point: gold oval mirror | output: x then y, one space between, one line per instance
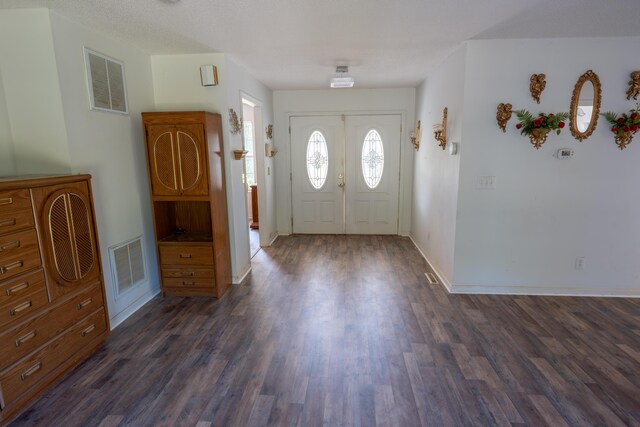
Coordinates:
585 105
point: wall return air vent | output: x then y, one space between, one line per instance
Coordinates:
127 265
107 86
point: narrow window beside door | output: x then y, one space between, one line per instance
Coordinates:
372 159
317 160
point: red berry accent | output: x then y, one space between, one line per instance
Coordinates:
518 126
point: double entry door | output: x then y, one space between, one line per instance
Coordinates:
345 173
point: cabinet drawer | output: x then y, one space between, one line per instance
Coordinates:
16 220
186 255
23 307
13 245
188 282
19 253
186 273
15 210
21 341
28 372
16 288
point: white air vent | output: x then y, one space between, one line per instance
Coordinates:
431 278
127 265
107 88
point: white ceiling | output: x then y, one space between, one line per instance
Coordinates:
296 44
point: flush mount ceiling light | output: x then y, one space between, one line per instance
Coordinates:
341 80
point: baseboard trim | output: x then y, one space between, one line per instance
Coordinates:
116 320
441 276
236 280
545 291
274 239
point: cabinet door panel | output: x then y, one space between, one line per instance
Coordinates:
192 160
162 160
66 222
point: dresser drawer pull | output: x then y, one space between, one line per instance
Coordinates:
7 201
188 283
8 222
187 273
88 330
25 338
17 264
185 255
11 245
32 370
19 308
17 288
85 303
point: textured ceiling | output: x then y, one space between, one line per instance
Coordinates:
296 44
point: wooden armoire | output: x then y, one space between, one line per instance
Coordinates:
185 161
52 300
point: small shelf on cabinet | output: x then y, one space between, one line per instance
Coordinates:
192 237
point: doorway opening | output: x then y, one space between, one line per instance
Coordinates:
252 121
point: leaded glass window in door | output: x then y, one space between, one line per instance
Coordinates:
372 159
317 160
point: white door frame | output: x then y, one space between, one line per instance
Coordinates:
403 150
258 153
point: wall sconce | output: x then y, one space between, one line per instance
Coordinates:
270 150
209 75
440 130
415 137
235 122
239 154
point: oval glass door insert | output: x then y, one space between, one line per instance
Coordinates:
372 159
317 160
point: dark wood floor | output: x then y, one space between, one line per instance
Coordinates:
335 330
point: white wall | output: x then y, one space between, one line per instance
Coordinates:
176 80
7 160
436 172
343 101
110 147
526 234
32 93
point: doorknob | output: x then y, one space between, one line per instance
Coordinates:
341 182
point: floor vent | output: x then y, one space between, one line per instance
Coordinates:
431 278
127 265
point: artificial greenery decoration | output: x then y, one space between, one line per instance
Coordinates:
538 128
624 126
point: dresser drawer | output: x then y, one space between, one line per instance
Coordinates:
186 273
18 287
29 371
186 255
188 282
19 253
14 244
23 307
19 342
15 210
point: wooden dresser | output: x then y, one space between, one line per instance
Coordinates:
52 300
188 196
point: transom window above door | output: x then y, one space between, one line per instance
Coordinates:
372 159
317 160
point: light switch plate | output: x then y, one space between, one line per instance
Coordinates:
487 182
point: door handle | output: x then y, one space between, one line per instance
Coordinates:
341 182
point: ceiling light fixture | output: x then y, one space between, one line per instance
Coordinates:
342 80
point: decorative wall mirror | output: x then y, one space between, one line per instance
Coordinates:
585 105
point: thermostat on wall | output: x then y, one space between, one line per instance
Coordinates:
564 153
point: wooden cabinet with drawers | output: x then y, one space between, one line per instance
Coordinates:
52 301
185 161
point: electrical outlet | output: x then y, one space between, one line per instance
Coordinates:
579 263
